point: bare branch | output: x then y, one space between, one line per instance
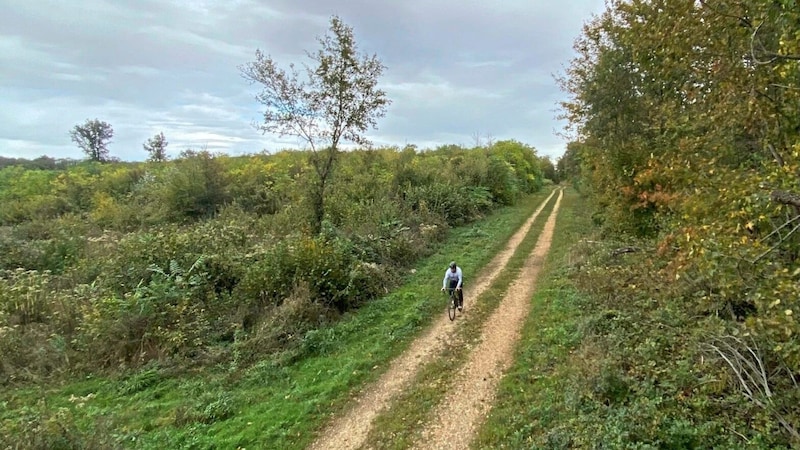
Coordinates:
753 39
783 86
782 239
751 374
623 250
775 155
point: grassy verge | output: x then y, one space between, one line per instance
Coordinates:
278 403
412 410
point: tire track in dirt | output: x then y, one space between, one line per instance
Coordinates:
476 382
350 431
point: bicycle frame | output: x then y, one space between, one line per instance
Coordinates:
452 295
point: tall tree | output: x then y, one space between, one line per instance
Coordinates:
156 147
338 101
93 138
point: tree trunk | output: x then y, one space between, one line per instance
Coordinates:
786 198
317 207
323 163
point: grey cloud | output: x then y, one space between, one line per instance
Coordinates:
454 68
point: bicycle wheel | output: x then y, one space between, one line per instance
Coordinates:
451 307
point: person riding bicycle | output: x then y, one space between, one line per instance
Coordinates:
454 280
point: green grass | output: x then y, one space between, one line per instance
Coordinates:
277 403
411 412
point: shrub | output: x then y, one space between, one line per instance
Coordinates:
37 321
140 381
25 297
28 248
208 409
502 183
29 353
108 212
194 188
166 316
40 427
281 327
259 187
458 205
324 265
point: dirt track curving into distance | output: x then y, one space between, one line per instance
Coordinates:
477 381
350 430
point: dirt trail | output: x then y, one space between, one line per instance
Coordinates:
350 431
477 380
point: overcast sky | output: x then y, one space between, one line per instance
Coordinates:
455 69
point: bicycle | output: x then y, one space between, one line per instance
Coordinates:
453 303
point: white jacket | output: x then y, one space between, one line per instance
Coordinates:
450 275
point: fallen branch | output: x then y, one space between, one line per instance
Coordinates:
785 198
782 238
747 364
623 250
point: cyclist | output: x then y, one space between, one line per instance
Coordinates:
454 280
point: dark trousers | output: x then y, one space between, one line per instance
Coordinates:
453 284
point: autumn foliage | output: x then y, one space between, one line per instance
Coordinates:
686 121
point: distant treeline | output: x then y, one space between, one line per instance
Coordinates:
40 163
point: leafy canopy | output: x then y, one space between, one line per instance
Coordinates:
93 138
156 148
338 100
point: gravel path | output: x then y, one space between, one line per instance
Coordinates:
477 381
350 431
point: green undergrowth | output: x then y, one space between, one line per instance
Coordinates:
279 402
610 358
411 412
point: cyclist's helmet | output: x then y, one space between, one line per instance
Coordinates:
452 264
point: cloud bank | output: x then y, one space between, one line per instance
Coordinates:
456 71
